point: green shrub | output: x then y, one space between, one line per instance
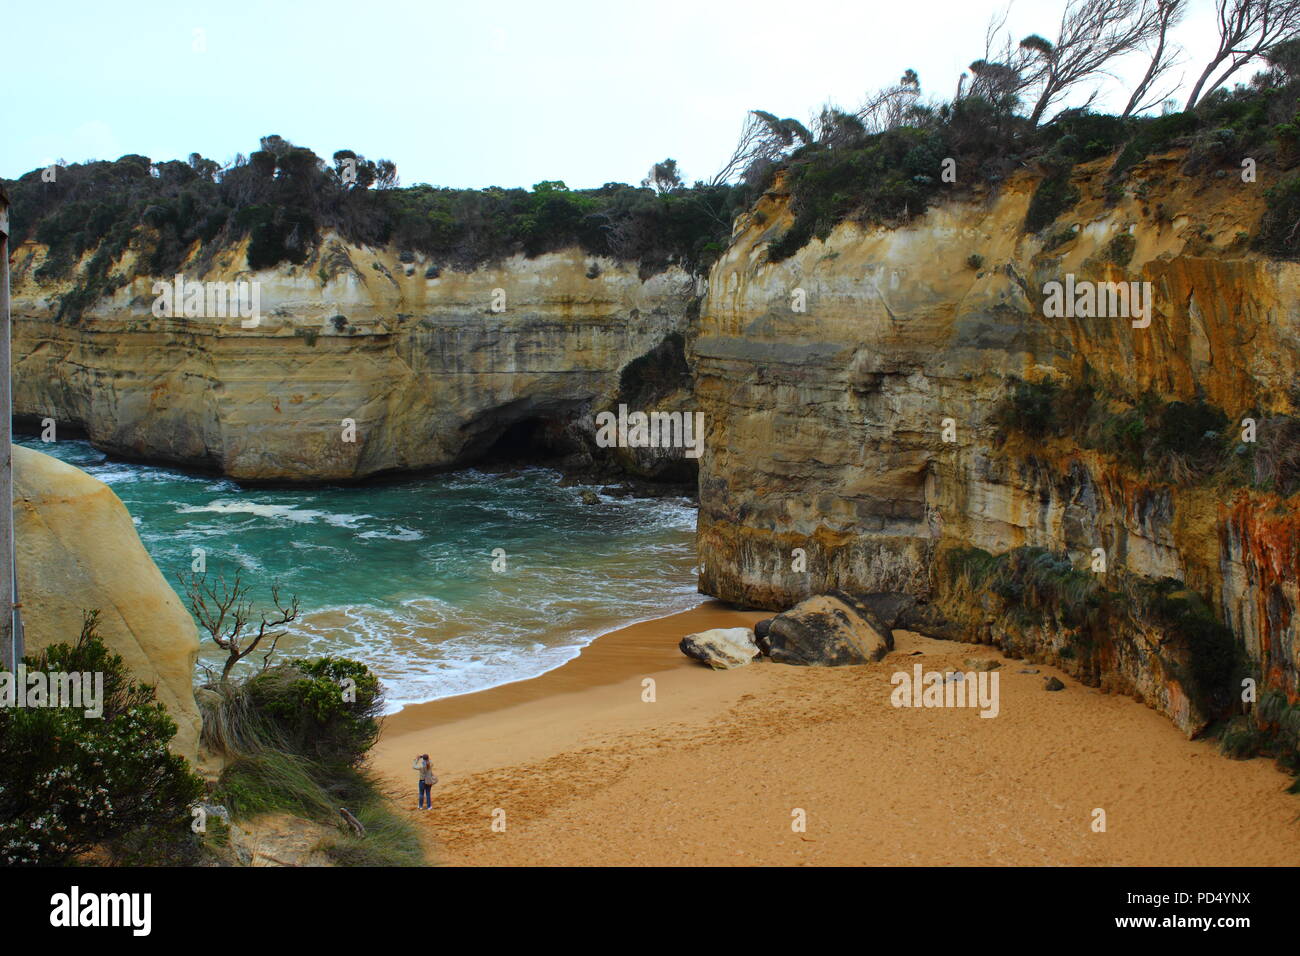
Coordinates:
1079 136
326 707
1031 408
69 783
1055 194
1120 249
1278 235
1182 442
1272 707
1035 583
974 564
1060 238
1272 729
295 737
1039 587
1044 408
1210 148
1215 659
1191 429
1275 457
1046 583
1154 136
1241 739
888 177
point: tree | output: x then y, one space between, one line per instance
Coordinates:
747 149
386 174
764 139
664 177
1247 28
225 612
1164 56
836 128
1091 35
275 144
891 107
205 168
1004 72
1283 60
355 172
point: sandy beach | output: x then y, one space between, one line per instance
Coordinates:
716 769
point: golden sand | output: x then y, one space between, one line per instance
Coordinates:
715 770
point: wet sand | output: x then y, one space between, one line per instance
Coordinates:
716 769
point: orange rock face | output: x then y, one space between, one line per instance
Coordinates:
859 431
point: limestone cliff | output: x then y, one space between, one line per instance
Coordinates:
432 366
826 425
78 551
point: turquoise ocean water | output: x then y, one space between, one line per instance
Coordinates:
400 574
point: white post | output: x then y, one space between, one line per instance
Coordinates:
11 630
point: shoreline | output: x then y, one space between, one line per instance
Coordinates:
218 498
593 635
612 659
581 770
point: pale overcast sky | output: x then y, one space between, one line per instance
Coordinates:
475 94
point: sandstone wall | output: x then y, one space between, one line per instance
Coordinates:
430 374
825 426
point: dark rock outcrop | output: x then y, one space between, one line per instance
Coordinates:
829 630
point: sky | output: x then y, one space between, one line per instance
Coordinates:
472 94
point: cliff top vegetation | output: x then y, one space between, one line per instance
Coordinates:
885 161
890 159
283 197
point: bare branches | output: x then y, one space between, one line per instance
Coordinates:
1005 71
763 139
225 612
1092 34
766 139
747 148
835 128
1247 28
1164 57
891 107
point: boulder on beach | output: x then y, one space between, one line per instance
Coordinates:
829 630
722 648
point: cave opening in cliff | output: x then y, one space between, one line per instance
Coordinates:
528 441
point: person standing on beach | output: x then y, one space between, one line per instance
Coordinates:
427 780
